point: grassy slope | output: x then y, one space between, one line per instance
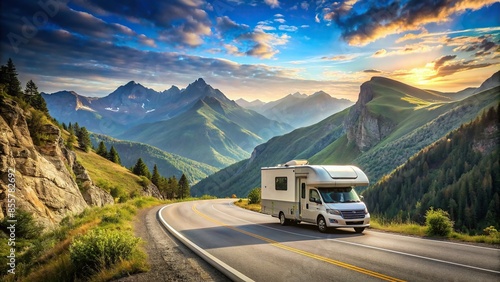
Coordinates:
168 164
107 174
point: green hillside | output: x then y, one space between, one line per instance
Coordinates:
108 175
407 120
212 132
168 164
460 173
414 129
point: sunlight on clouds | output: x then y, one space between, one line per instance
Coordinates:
407 49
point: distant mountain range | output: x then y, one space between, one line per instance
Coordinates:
213 131
389 123
298 109
198 122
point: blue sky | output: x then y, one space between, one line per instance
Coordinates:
259 49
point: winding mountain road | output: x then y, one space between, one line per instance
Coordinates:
257 248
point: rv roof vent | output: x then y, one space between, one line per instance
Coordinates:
297 162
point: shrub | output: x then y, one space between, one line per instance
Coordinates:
26 226
490 231
254 196
438 222
99 249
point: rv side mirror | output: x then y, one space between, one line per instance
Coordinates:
361 198
314 200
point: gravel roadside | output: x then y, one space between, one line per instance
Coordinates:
169 259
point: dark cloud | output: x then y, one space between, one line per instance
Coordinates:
24 19
481 46
179 22
381 18
439 62
226 26
447 65
372 71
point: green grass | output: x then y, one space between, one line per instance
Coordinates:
243 203
108 175
47 257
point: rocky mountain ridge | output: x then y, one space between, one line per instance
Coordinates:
45 176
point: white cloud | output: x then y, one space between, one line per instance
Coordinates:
272 3
288 28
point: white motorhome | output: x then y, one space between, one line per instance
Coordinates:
320 194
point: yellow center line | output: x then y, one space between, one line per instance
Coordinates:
301 252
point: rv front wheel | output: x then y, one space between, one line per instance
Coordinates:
322 224
283 220
359 229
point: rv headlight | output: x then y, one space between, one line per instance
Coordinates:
366 210
333 211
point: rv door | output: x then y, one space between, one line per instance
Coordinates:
310 205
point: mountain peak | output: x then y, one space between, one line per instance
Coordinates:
321 93
200 81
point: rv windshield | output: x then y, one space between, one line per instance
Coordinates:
339 195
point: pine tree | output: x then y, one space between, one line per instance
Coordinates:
84 139
102 150
71 139
34 98
172 187
113 156
156 177
11 81
76 128
184 187
141 169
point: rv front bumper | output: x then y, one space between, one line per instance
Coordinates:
338 221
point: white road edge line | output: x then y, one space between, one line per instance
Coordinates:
230 272
377 248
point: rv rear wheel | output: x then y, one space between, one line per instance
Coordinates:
283 220
359 229
322 224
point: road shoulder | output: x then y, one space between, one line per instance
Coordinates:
169 259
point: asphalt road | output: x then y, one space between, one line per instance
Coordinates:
262 250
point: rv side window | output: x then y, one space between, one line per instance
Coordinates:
281 183
303 192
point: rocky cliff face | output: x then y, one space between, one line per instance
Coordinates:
363 127
44 183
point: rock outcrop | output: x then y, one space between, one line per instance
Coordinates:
43 175
152 191
363 127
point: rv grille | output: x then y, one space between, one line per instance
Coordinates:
356 214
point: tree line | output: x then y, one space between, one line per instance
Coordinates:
170 187
459 174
